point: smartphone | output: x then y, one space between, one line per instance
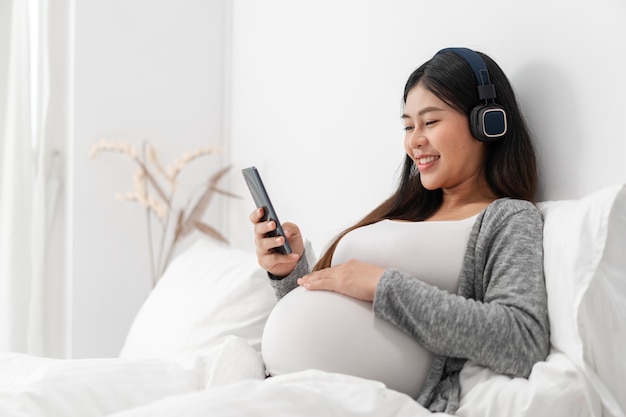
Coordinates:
261 199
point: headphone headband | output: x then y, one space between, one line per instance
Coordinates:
486 90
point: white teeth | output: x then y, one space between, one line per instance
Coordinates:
427 159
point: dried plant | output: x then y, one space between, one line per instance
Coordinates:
155 186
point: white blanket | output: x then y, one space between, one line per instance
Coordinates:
229 381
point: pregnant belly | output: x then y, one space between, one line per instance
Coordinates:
335 333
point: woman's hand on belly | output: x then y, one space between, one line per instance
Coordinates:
354 278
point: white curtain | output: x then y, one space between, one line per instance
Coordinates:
33 281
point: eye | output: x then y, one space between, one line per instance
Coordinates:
408 128
430 122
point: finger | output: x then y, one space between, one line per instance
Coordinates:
256 215
266 244
277 263
262 228
291 229
316 281
319 284
264 239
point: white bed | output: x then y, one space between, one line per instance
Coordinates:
194 347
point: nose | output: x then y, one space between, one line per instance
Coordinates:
415 139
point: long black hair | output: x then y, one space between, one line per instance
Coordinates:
510 162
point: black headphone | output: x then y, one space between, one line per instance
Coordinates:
487 120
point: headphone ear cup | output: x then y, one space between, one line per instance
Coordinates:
475 127
488 122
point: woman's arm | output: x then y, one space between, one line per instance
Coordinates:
506 326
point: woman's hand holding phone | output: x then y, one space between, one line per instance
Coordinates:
279 247
268 257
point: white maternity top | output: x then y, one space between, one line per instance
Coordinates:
335 333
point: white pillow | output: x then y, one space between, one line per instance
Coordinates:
554 388
585 270
208 292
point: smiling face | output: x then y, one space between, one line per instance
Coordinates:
439 141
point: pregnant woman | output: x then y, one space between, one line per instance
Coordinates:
448 269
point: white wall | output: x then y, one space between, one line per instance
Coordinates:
317 89
144 69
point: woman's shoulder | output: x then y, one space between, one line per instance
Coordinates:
505 208
508 217
511 205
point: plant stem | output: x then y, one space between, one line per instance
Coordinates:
166 222
148 218
169 254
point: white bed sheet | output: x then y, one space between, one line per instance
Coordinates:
38 387
229 381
